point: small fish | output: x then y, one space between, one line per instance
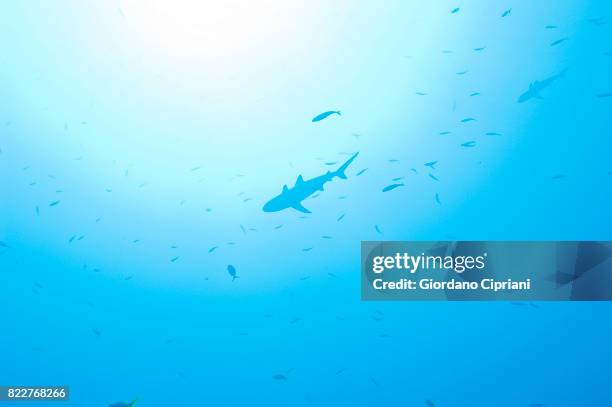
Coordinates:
174 259
326 237
421 93
604 95
461 73
378 229
559 176
340 217
96 332
278 226
397 179
479 49
506 13
597 21
2 244
331 163
243 229
393 160
338 372
433 177
550 27
307 249
438 199
279 376
54 203
474 94
468 119
392 187
431 164
361 172
232 272
122 404
559 41
324 115
492 133
37 211
295 320
212 249
444 133
469 144
455 10
195 168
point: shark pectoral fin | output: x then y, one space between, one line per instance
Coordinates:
298 206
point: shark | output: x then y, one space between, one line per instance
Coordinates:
536 87
293 197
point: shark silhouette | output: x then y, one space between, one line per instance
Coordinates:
536 87
293 197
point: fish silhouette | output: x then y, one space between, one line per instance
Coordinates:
232 272
122 404
392 187
325 115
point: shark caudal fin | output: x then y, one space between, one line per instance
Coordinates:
340 171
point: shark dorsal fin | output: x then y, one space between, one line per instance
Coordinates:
299 180
285 189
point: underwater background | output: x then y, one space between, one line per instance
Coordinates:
140 140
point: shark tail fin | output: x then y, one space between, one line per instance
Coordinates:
339 114
340 171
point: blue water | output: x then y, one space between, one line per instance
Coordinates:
163 127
